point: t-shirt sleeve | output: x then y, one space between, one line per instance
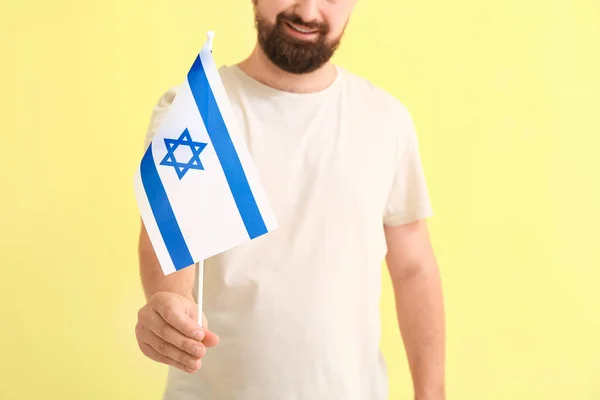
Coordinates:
408 199
158 113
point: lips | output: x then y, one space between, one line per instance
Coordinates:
301 29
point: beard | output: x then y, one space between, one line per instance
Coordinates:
290 54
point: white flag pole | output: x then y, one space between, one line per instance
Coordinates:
200 272
210 35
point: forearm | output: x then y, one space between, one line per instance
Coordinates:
152 277
420 311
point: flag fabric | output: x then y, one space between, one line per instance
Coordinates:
196 187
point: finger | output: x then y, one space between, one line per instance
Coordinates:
161 351
159 327
169 351
151 353
178 319
211 339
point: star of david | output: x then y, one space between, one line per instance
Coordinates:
183 167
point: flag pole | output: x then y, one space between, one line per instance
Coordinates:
210 35
200 272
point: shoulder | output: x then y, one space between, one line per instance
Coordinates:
387 117
376 99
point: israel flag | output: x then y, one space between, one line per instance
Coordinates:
197 188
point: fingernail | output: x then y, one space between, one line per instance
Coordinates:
192 363
199 335
198 351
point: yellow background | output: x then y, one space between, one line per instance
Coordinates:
505 95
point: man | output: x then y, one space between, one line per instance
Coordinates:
294 314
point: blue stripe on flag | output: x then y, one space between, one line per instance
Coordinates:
163 213
228 157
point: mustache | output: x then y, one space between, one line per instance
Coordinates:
322 27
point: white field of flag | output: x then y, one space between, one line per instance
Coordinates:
197 188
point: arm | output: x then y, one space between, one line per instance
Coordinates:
419 305
152 277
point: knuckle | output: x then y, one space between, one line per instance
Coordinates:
139 330
154 298
170 312
164 332
191 348
141 313
162 347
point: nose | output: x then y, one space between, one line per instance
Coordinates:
308 10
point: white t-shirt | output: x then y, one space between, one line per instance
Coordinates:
297 310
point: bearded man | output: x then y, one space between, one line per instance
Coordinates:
294 315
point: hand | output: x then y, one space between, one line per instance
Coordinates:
167 331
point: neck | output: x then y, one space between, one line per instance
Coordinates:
259 67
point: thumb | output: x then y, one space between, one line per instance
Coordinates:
211 339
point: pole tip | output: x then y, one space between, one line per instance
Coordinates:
210 35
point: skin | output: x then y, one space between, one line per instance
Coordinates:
417 287
167 331
335 13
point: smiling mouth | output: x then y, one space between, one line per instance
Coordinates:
301 29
